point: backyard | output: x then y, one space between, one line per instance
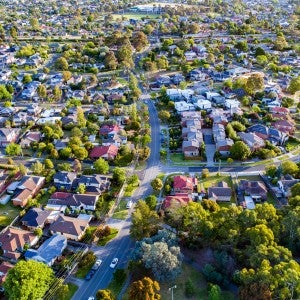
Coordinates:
8 213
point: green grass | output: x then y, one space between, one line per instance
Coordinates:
137 16
121 211
122 81
212 180
178 158
292 144
103 241
81 272
116 286
7 213
72 289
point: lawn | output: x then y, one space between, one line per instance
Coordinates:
7 213
116 286
121 211
178 158
103 241
81 272
72 289
212 180
137 16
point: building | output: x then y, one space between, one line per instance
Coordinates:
184 184
220 193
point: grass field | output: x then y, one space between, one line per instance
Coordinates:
7 213
72 289
121 211
212 180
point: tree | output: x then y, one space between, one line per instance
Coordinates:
110 61
81 189
144 289
255 291
255 82
157 184
151 201
164 116
289 167
48 164
22 169
61 64
80 152
4 93
57 93
28 280
26 78
42 91
37 168
101 166
144 221
81 120
13 149
139 40
38 232
34 22
104 295
293 87
119 176
239 150
124 55
169 259
67 75
135 91
280 43
214 292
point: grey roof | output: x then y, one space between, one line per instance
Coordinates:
35 217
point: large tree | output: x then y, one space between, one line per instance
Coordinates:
240 150
139 40
61 64
144 221
294 85
144 289
101 166
28 280
13 149
104 295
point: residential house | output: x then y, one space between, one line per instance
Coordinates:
224 146
4 268
8 135
49 251
94 184
13 240
220 193
27 188
184 184
190 148
176 201
285 126
107 152
61 200
285 185
256 189
64 180
71 228
35 218
253 141
29 138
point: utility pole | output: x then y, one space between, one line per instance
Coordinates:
171 289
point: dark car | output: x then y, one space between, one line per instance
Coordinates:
89 275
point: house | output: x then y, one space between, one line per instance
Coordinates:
8 135
94 183
285 126
176 201
109 130
190 148
64 180
184 184
27 188
253 141
107 152
29 138
220 193
71 228
35 218
49 251
256 189
13 240
286 184
223 146
4 268
60 201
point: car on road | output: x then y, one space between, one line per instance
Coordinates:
91 298
89 275
97 264
114 263
129 204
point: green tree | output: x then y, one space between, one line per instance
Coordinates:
139 40
101 166
37 168
119 176
151 201
157 184
28 280
293 87
254 83
57 93
289 167
81 120
104 295
61 64
34 23
110 61
81 189
26 78
214 292
38 232
164 116
67 75
42 91
144 221
280 43
240 151
48 164
4 93
13 149
143 289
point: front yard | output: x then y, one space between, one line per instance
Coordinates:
104 240
121 211
8 213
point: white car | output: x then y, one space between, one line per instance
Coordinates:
129 204
114 263
97 264
91 298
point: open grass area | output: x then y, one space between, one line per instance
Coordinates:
212 180
134 16
115 286
121 211
178 159
7 213
72 289
292 144
103 241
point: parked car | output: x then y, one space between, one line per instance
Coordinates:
97 264
91 298
129 204
89 275
114 263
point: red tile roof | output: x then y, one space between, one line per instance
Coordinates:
110 151
184 182
4 268
176 200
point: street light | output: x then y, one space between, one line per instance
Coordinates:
171 289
